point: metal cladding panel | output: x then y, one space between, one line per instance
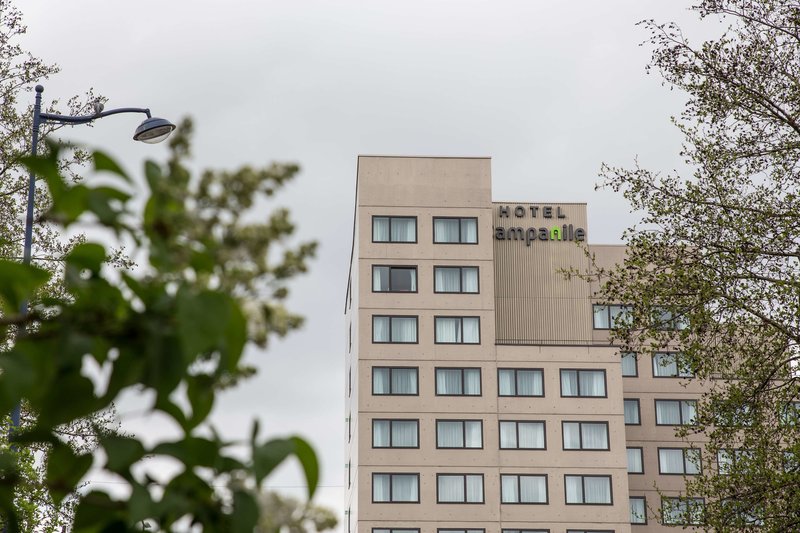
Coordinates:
534 301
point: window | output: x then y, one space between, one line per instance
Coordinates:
448 530
520 382
457 330
399 381
459 488
395 488
519 488
790 415
519 435
635 463
395 433
459 434
585 435
629 365
394 229
632 417
529 531
679 461
585 383
669 365
638 510
394 329
450 230
609 316
458 381
394 530
455 279
682 511
734 415
588 490
727 460
666 320
394 279
675 412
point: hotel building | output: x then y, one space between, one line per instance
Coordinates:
482 393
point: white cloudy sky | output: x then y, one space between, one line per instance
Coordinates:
548 89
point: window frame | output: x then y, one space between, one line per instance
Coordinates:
644 500
460 279
679 499
678 374
580 435
518 476
528 530
516 382
638 411
608 307
583 488
463 433
390 217
635 364
641 457
459 530
463 382
394 529
399 267
391 444
464 476
517 422
460 241
735 455
579 370
391 369
685 459
680 410
391 475
461 319
390 317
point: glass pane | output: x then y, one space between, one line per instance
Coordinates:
635 461
572 435
469 279
592 383
381 484
471 330
380 329
668 412
472 381
380 279
597 489
670 461
404 329
506 382
529 383
449 434
629 364
508 435
451 488
473 434
692 461
380 381
594 436
404 434
569 383
724 461
531 435
403 279
446 230
620 315
631 411
405 488
637 510
474 488
380 433
469 230
664 365
600 316
532 489
509 492
380 229
448 329
447 279
404 229
574 489
448 381
404 381
688 411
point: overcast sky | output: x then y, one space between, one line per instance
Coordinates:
548 89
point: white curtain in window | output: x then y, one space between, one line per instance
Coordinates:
509 492
592 383
597 489
692 461
447 279
451 488
574 489
572 436
469 279
472 381
381 487
664 365
508 434
631 411
595 436
445 230
380 381
380 433
634 460
629 364
380 229
670 461
472 434
380 329
380 278
688 410
404 230
668 412
600 317
474 488
448 329
448 381
529 383
404 329
471 327
532 489
404 433
506 383
637 511
531 435
469 230
569 383
449 434
404 380
405 488
724 461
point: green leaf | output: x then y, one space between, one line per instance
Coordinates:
191 451
87 255
121 453
200 391
308 460
245 512
65 470
18 282
103 162
98 513
269 455
141 504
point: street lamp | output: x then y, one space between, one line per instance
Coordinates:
152 130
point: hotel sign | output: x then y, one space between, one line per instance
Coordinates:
560 230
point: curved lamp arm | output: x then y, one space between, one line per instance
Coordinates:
83 119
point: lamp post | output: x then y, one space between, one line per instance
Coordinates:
152 130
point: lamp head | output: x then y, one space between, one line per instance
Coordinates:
153 130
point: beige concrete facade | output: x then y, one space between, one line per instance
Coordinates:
531 360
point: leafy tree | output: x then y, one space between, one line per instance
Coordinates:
212 278
285 514
714 271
